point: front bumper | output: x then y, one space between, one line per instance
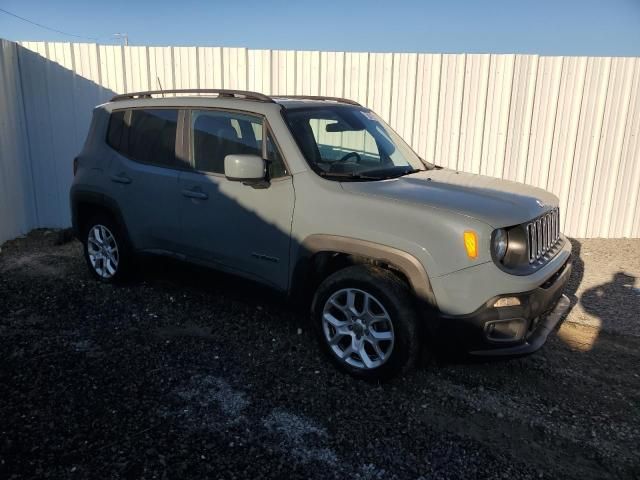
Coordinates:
540 309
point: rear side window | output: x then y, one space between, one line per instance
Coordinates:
147 136
116 127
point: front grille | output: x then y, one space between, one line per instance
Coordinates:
542 234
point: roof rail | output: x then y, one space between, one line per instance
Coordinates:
320 97
259 97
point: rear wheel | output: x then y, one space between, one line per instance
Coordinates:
366 322
106 250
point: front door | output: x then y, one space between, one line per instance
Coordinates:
235 226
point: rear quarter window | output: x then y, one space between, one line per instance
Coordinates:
116 127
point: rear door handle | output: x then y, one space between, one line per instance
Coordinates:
195 194
120 178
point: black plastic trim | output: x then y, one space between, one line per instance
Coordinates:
467 332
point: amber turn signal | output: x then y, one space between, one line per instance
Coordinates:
471 244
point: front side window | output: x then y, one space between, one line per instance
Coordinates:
217 134
147 136
345 141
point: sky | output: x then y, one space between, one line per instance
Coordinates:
545 27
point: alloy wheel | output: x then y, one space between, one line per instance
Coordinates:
102 249
357 328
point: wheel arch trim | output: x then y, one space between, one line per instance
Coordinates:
406 263
100 200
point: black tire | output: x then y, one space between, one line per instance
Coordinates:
124 254
395 297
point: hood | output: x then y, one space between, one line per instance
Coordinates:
499 203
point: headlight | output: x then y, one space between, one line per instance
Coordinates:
500 243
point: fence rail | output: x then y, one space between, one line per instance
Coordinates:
570 125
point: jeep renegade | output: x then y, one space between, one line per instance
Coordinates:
319 198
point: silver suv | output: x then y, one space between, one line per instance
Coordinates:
319 198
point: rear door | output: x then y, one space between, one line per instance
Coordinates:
234 226
143 175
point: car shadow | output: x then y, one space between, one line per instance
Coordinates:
170 273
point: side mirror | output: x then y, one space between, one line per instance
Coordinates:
244 168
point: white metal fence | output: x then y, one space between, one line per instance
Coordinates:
17 203
567 124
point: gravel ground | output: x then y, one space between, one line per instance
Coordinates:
186 373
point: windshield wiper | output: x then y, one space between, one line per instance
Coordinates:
409 172
349 175
390 173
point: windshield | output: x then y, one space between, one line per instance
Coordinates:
346 142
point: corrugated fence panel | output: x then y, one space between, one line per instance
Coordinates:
567 124
497 114
356 72
450 110
610 146
307 73
403 97
426 109
543 122
234 73
210 67
136 66
587 145
18 212
523 89
36 108
627 193
474 105
283 70
260 71
62 120
332 74
112 68
186 67
566 127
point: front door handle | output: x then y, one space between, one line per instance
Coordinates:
200 195
120 178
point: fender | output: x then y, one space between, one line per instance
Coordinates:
81 196
402 261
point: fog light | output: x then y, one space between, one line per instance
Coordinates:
505 330
507 302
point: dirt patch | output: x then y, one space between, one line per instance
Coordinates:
185 373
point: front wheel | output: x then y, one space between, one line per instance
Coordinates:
366 321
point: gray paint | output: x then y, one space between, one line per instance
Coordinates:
261 232
499 203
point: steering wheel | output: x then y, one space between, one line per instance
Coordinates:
348 156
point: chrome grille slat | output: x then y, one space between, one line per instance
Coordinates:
539 243
542 234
